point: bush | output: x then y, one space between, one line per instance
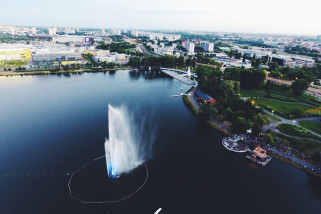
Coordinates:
298 112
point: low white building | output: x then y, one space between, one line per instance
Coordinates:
227 61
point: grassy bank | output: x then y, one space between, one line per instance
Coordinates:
296 131
272 117
251 93
312 125
282 98
188 102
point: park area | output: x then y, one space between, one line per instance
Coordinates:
282 108
312 125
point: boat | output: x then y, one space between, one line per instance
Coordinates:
259 156
235 144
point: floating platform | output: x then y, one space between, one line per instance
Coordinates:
235 144
179 75
262 163
259 156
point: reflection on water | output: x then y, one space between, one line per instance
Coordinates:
148 75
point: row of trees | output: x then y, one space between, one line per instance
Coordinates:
248 78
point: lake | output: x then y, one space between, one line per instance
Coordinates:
52 125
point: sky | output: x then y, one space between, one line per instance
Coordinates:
246 16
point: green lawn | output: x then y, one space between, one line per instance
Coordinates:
303 98
273 117
281 108
282 98
296 131
251 93
314 126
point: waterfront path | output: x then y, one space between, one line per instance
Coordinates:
274 124
313 167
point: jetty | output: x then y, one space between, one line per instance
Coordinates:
185 77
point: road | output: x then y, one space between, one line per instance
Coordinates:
143 48
313 91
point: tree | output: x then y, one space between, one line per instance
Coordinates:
299 86
207 110
269 139
241 125
257 124
89 58
273 66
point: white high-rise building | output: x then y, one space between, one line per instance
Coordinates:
134 33
189 46
208 46
33 30
102 31
118 32
52 31
13 30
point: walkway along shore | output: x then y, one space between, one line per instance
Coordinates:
309 168
22 73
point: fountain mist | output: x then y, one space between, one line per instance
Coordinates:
123 148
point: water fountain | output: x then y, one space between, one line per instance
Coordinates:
123 152
129 145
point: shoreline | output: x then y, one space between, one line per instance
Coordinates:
189 104
32 73
295 164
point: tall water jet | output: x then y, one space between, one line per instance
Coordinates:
122 148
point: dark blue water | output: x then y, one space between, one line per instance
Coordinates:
51 125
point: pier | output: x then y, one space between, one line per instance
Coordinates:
182 76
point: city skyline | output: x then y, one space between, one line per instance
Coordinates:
229 16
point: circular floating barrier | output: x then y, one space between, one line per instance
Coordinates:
91 184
